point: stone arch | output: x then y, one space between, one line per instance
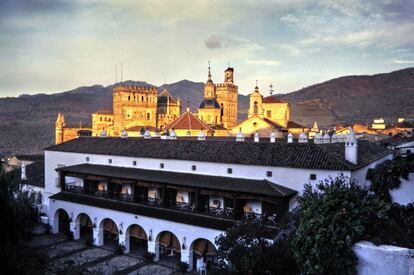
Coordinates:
62 221
109 233
167 247
136 239
203 255
84 227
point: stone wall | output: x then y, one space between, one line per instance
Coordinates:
383 259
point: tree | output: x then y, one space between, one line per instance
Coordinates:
17 213
335 216
252 246
387 176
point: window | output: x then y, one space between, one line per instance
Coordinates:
134 163
161 165
408 151
229 171
312 177
269 113
87 158
109 160
269 173
193 167
129 97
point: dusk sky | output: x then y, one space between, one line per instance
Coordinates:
52 46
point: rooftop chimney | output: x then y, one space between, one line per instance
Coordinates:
240 136
290 138
273 136
351 147
256 137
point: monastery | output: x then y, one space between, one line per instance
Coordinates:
137 109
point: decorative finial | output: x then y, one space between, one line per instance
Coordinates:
271 89
188 104
256 88
209 73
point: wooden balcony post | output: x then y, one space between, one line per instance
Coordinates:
62 176
197 206
163 196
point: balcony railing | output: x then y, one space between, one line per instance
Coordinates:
225 213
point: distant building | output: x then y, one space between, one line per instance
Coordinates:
378 124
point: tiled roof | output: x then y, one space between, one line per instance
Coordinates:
292 124
104 112
274 124
272 99
259 187
278 154
188 121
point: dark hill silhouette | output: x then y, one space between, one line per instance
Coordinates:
27 122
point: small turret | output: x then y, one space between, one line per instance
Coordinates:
124 133
318 139
303 137
147 134
256 137
104 134
60 124
240 136
201 135
290 138
273 136
326 138
173 135
351 147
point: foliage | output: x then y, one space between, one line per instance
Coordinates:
18 218
335 215
250 244
387 176
149 257
182 266
89 242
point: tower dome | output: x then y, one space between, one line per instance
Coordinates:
209 104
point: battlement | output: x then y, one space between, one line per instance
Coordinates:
226 85
134 89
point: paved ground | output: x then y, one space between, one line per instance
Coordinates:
68 257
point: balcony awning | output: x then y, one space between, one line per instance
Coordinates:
239 185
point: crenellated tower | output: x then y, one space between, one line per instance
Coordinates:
226 96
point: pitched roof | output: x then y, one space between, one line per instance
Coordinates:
272 99
251 186
188 121
278 154
292 124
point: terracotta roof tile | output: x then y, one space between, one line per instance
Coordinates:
188 121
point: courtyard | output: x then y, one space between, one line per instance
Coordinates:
70 257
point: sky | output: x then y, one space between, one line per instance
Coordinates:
52 45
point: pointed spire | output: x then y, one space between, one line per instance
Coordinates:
209 74
256 88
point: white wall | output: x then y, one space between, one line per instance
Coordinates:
290 177
123 220
360 174
404 194
383 259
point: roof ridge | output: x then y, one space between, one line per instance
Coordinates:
345 162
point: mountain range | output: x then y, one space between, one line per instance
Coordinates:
27 122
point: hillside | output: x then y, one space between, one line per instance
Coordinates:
27 121
355 99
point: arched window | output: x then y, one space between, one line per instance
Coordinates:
148 116
221 111
255 108
129 97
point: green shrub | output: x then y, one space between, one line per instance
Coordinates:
182 266
335 216
149 257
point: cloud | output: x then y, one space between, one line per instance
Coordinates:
403 61
266 62
222 41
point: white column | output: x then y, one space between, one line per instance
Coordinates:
127 244
54 224
185 256
75 230
97 237
122 241
154 248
